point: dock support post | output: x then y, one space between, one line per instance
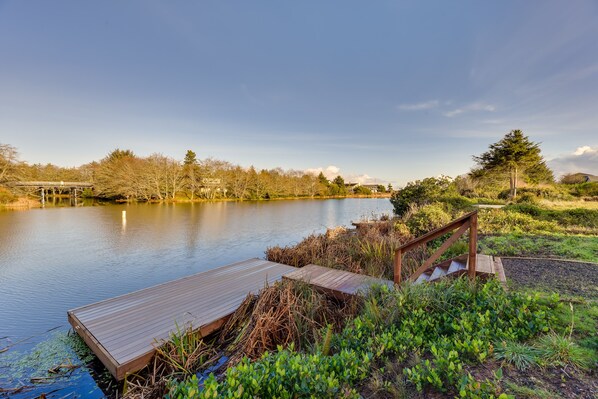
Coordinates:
43 196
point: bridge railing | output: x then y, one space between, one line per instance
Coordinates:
50 184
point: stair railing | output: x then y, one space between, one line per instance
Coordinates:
468 221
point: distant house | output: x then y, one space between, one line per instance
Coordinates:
590 178
209 185
573 178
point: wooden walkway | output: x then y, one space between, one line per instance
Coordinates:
123 331
338 283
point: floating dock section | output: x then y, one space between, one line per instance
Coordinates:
123 331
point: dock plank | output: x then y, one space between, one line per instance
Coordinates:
340 283
123 331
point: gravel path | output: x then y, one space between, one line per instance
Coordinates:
565 277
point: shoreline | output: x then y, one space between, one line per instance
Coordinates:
24 203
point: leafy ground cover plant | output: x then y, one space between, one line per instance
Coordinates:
430 331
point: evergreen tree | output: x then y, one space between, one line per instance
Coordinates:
515 155
191 173
190 158
322 179
337 186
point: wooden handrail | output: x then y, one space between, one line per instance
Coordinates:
467 221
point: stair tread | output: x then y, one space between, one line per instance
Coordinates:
438 273
456 266
422 277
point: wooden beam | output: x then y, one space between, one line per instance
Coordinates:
473 245
445 245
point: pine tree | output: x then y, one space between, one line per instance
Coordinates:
514 155
191 173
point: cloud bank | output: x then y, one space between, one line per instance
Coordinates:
332 171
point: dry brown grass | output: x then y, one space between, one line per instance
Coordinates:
366 250
285 313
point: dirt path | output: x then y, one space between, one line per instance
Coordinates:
565 277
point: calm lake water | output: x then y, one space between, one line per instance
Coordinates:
55 259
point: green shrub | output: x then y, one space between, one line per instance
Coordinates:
421 192
455 203
361 190
402 229
428 218
527 198
589 189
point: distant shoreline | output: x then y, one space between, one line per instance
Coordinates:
25 203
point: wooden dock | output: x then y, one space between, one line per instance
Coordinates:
123 331
338 283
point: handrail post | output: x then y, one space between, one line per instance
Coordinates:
473 245
397 266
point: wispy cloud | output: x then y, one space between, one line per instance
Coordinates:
470 108
583 160
419 106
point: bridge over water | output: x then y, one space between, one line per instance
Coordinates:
53 188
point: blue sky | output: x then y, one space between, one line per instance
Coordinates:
392 90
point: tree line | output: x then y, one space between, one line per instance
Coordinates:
124 175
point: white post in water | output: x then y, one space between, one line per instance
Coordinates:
124 223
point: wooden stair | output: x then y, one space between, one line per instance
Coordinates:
486 266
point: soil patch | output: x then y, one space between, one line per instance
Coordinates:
565 277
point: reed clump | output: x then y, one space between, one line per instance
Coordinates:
286 313
183 354
368 249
